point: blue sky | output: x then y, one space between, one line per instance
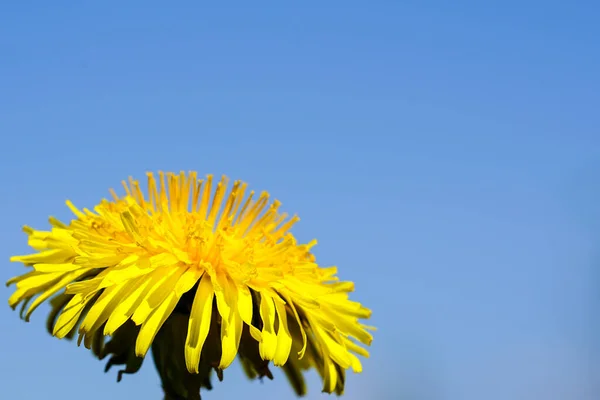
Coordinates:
445 154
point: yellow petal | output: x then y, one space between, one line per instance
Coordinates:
230 340
300 327
245 304
356 365
101 309
75 210
38 280
348 325
128 304
199 323
69 316
338 351
268 345
48 256
340 303
330 376
151 326
19 278
351 346
55 288
284 339
49 268
160 277
187 280
33 284
225 293
165 287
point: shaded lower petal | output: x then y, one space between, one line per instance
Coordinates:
268 344
230 339
151 326
284 339
199 324
69 316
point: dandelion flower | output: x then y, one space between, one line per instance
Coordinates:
199 277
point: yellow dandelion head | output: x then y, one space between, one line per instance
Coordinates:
198 275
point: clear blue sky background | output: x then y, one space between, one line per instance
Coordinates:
445 154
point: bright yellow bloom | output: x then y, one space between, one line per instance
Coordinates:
198 277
